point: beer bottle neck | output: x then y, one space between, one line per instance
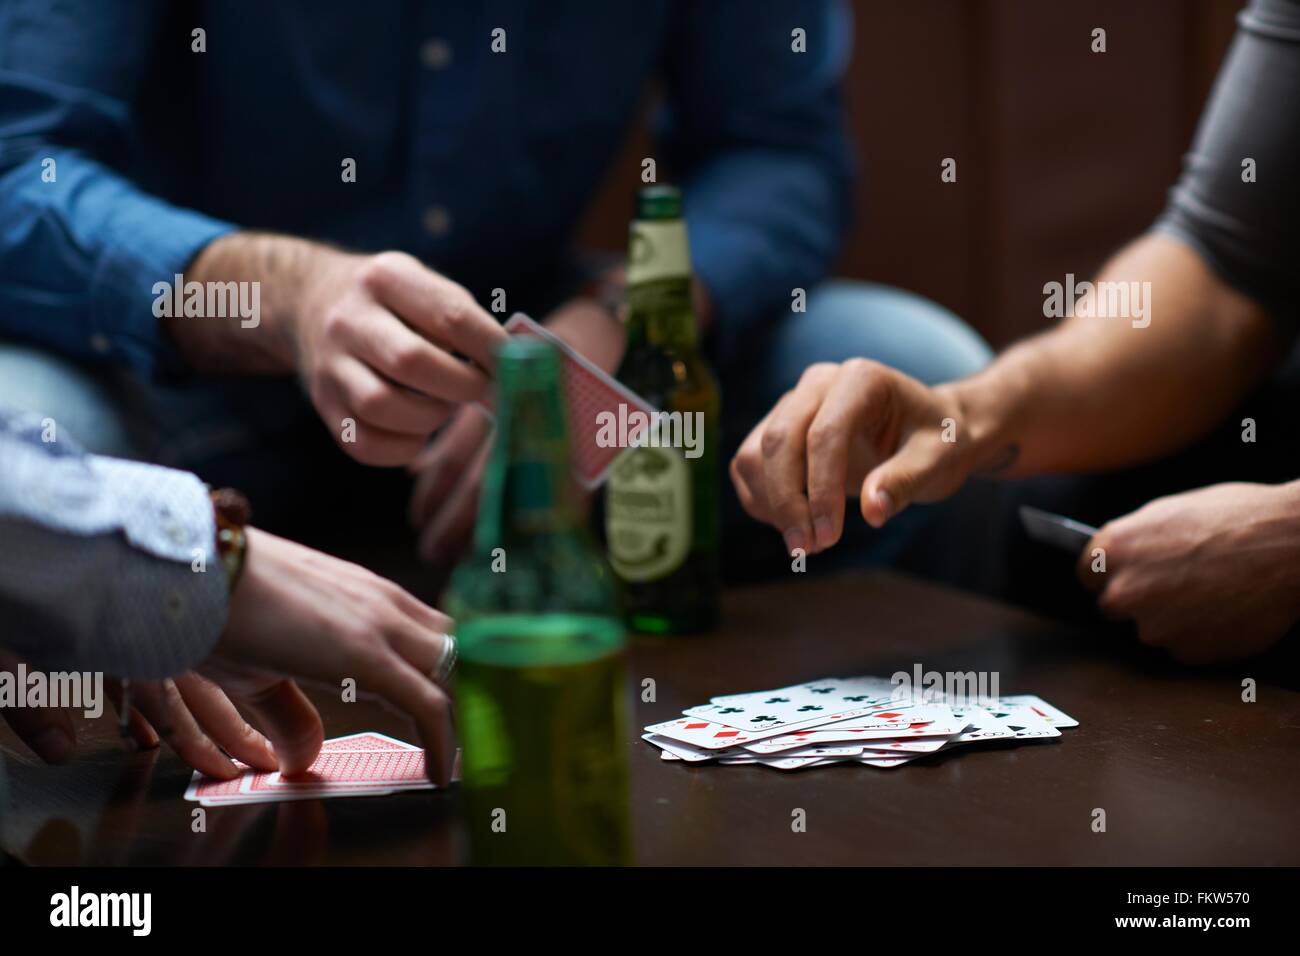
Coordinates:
659 307
527 490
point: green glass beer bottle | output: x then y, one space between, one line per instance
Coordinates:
662 498
541 703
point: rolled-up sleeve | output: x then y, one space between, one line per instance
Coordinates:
753 118
81 244
1237 203
105 565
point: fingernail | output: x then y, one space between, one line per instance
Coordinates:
823 532
885 501
795 541
141 738
54 745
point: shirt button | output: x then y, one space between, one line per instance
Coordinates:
437 221
177 532
436 54
99 343
174 604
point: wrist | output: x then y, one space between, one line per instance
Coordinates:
283 271
592 330
987 412
300 271
231 513
608 291
1288 516
1290 495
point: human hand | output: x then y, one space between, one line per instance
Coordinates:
1209 575
378 340
444 500
855 428
194 715
300 614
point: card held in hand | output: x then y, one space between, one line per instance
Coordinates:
590 393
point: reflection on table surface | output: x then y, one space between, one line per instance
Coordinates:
1186 771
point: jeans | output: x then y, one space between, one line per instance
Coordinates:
262 436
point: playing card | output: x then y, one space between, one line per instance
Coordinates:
1056 530
1023 722
868 759
343 768
588 392
856 720
347 769
924 745
939 728
885 761
242 790
904 716
370 740
823 750
681 751
866 737
981 725
1043 709
203 788
283 796
776 763
801 705
855 690
703 734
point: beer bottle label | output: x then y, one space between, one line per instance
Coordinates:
648 512
657 250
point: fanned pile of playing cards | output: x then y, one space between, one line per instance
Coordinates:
863 720
359 765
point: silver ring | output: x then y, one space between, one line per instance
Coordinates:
442 671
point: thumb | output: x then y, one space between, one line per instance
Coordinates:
896 482
290 722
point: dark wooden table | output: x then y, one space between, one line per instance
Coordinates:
1186 771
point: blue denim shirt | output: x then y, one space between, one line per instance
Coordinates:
123 150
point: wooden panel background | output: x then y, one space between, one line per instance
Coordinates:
1062 154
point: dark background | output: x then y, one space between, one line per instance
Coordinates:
1062 154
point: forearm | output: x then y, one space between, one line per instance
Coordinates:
1289 496
106 564
282 267
762 154
1101 393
